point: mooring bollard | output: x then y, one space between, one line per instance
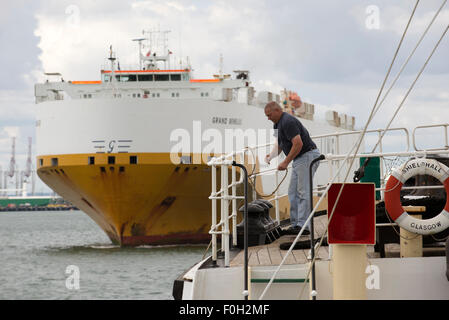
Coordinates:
411 243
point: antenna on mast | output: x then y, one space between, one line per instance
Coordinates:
158 42
140 50
112 59
220 72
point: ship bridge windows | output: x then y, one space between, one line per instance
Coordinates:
161 77
145 77
131 77
119 77
126 78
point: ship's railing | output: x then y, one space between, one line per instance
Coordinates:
378 131
228 221
444 126
228 191
222 227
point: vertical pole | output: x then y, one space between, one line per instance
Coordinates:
276 199
140 54
225 233
312 237
222 202
348 270
410 243
338 152
245 229
381 164
445 137
18 183
254 179
234 204
214 213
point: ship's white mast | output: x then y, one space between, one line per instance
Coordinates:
220 72
140 50
113 80
157 40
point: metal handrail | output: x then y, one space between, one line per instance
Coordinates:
444 125
391 154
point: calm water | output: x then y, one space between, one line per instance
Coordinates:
37 247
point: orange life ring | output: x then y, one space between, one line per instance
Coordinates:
393 202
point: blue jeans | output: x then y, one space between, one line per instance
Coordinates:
299 188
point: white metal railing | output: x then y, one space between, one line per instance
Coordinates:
443 125
379 132
223 226
335 161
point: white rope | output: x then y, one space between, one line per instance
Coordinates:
358 144
394 115
409 57
411 87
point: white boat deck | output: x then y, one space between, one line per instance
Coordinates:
272 255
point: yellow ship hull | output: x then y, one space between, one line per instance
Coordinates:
150 202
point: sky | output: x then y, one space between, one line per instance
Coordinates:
335 54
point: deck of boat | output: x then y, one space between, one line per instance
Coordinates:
271 254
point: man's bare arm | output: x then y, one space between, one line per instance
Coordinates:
274 153
294 151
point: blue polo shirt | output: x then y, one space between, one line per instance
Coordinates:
289 127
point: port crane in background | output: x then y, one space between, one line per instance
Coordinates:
22 178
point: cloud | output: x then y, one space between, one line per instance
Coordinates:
19 54
16 107
162 8
11 131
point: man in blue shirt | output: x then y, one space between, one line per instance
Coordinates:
294 140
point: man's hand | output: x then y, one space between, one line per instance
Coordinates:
283 165
268 158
